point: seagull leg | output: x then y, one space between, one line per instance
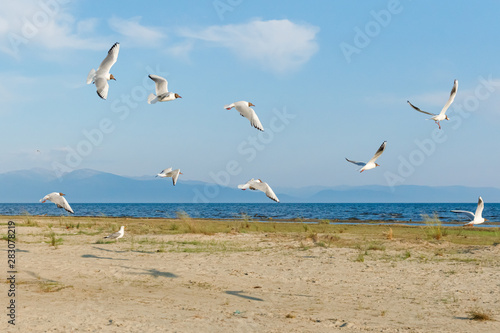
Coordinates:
437 122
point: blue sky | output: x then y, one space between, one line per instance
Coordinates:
329 79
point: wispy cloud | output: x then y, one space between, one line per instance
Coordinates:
45 23
136 33
277 45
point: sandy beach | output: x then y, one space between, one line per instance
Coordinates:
241 280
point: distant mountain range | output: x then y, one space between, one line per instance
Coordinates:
91 186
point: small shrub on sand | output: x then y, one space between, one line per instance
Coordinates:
479 315
54 241
433 227
360 257
406 255
389 234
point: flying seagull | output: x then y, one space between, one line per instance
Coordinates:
59 200
442 115
162 93
476 218
371 163
170 173
244 108
102 75
118 234
258 184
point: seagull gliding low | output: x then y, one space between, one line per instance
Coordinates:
476 218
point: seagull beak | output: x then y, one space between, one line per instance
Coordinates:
486 220
111 77
377 164
180 173
250 104
62 194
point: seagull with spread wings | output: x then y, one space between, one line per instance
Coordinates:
101 77
371 163
245 110
162 93
477 217
59 199
258 184
442 115
170 173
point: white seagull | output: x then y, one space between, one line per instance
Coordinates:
59 200
244 108
442 115
261 186
102 75
476 218
170 173
118 234
371 163
162 93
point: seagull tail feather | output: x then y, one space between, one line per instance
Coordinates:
152 99
91 76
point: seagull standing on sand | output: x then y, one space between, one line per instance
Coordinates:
442 115
118 234
244 108
59 200
170 173
476 218
102 75
371 163
162 93
261 186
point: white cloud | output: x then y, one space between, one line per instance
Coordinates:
87 26
135 32
45 23
278 45
181 50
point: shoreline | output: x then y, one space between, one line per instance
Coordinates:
269 220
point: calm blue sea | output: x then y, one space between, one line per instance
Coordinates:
337 212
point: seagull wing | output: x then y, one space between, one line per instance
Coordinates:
413 106
175 175
161 84
480 207
164 172
470 215
379 152
61 203
102 87
246 185
109 60
113 235
453 93
250 114
264 187
361 164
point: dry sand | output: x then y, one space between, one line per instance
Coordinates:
248 283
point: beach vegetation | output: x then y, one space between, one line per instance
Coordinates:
479 315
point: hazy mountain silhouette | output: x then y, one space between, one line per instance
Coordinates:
92 186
